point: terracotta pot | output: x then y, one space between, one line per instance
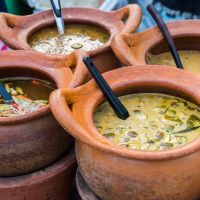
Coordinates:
131 49
117 173
15 30
52 183
84 191
32 141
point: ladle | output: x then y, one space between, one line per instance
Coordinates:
166 34
58 16
113 100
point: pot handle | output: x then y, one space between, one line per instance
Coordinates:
7 33
60 70
68 72
133 14
59 102
123 50
81 73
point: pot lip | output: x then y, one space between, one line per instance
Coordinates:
101 143
65 163
172 27
110 26
152 37
27 66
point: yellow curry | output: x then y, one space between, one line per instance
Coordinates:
190 60
156 122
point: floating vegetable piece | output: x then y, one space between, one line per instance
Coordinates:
76 46
13 91
187 130
166 145
109 135
132 134
7 87
192 121
19 90
158 135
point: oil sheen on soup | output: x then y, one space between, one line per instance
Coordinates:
76 36
29 95
156 122
190 60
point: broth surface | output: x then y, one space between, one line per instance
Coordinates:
84 37
156 122
190 60
28 94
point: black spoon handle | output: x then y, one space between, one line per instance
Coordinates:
113 100
166 34
6 96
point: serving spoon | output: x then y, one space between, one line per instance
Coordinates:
58 16
166 34
113 100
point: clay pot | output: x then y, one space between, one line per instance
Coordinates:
84 191
35 140
117 173
52 183
131 49
15 30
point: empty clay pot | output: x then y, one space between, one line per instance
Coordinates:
117 173
35 140
52 183
15 30
131 49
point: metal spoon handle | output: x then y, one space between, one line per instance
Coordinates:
58 16
166 34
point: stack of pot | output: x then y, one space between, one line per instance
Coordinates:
37 155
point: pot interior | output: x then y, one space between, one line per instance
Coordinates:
189 52
117 137
30 90
181 42
78 35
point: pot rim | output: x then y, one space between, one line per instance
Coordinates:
133 48
84 105
66 162
57 71
111 22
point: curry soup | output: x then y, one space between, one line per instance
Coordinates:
28 94
156 122
77 36
190 60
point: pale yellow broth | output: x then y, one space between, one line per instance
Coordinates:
156 122
77 36
190 60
